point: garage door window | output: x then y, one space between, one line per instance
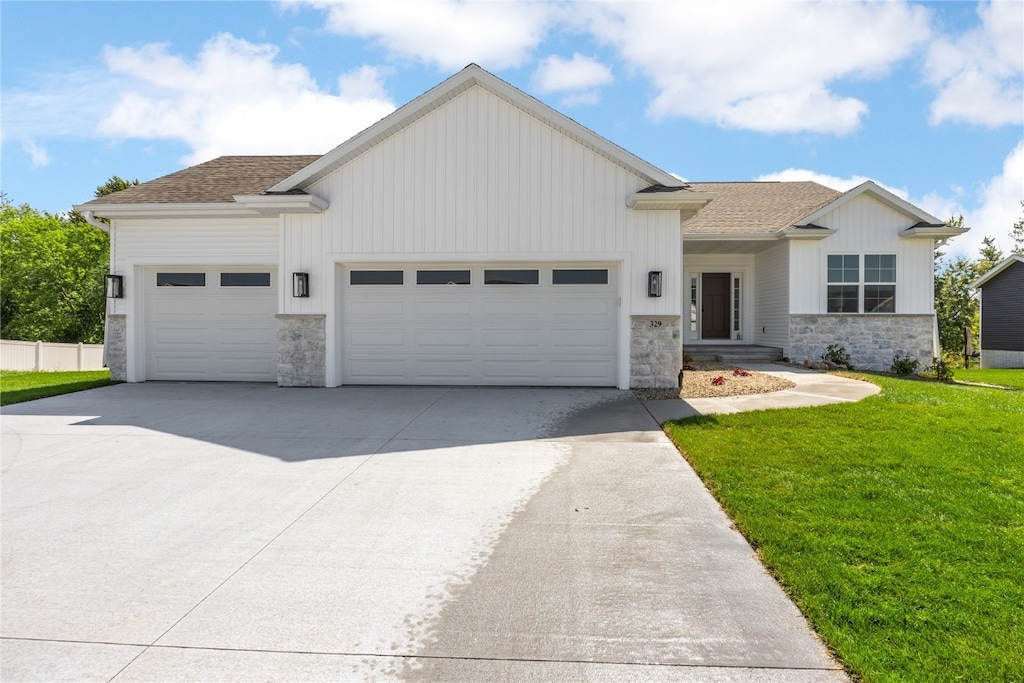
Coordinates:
376 277
511 277
181 279
245 279
442 277
579 277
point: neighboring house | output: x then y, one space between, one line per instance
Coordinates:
1002 314
477 236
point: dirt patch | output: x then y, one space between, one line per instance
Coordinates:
718 380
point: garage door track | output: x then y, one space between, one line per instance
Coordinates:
241 531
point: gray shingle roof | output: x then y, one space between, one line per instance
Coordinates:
757 207
214 181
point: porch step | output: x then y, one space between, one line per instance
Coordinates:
734 354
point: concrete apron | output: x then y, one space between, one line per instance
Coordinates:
241 532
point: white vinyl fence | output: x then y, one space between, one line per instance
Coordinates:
23 355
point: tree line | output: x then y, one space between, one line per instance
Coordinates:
956 306
52 272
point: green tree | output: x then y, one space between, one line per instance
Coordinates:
991 256
52 276
955 305
113 184
1017 233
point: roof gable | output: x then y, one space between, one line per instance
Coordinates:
920 217
470 77
997 269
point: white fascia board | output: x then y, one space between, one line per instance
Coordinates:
445 91
881 194
933 232
730 237
795 233
998 268
168 210
275 205
658 201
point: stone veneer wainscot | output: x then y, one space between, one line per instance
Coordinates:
302 350
116 346
654 352
871 340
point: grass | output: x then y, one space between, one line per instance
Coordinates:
896 523
17 387
1002 377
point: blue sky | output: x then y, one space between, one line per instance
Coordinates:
924 98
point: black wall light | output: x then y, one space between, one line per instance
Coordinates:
115 286
300 285
654 283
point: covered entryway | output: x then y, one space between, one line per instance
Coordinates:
211 324
483 324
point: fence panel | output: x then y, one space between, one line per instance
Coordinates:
23 355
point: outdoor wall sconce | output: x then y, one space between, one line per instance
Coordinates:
300 285
654 283
115 286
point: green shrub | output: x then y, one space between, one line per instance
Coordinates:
836 355
904 366
943 370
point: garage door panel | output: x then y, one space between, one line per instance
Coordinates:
210 333
534 334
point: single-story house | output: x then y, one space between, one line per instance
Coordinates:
478 236
1002 314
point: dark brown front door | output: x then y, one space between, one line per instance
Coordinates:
715 306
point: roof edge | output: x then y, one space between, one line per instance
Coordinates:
881 194
998 268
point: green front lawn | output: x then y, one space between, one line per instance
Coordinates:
16 387
1006 378
895 523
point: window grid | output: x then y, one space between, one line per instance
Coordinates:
850 290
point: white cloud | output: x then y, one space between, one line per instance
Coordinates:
38 154
555 74
835 182
234 98
763 66
979 74
447 33
998 209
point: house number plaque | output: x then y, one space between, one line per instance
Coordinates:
654 323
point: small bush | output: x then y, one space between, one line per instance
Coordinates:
904 366
943 370
836 355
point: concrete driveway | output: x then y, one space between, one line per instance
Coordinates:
168 531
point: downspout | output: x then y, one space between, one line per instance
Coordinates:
90 218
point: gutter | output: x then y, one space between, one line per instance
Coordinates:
90 218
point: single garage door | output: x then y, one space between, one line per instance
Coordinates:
211 324
538 325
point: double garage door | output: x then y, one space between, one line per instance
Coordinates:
211 324
499 324
487 324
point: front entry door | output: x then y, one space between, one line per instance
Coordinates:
715 306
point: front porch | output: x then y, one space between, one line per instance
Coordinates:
733 353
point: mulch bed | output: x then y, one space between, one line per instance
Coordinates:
717 380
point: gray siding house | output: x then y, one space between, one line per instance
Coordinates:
1002 314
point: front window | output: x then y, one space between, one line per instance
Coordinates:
852 290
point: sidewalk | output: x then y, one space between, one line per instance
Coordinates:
813 388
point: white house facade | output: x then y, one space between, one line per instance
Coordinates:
476 236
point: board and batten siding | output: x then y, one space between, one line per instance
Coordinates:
863 226
479 179
1002 310
771 297
137 244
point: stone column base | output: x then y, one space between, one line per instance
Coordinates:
115 346
302 350
654 352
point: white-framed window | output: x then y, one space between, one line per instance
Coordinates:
694 303
861 285
737 329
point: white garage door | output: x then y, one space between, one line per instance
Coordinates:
211 324
482 324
